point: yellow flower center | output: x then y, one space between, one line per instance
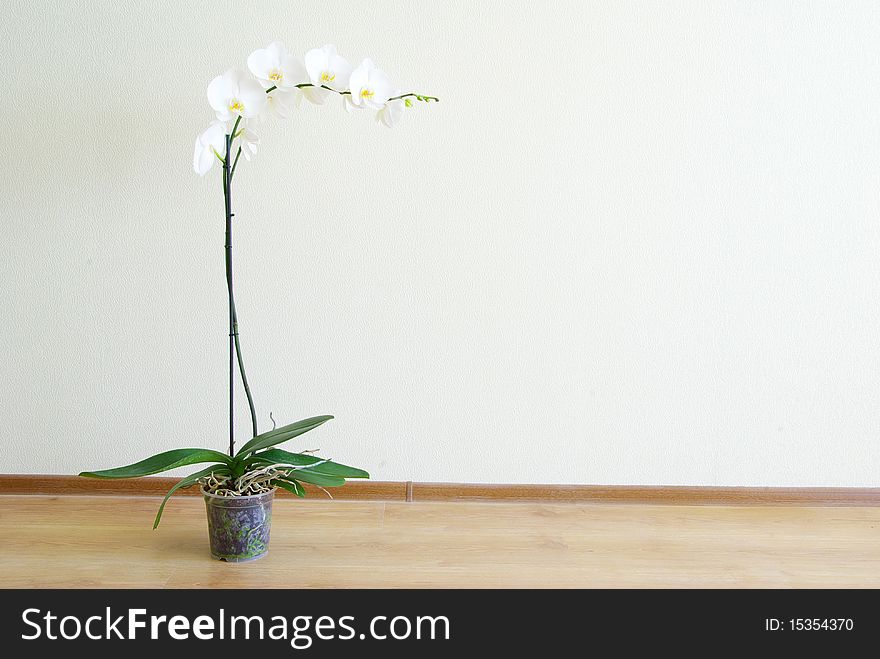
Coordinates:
367 94
326 76
275 76
236 106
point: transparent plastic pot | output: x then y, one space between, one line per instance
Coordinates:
238 527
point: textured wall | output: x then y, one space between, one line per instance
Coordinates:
635 242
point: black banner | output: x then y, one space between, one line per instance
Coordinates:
319 623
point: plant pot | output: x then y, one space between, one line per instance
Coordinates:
238 527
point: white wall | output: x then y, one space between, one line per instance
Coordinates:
636 242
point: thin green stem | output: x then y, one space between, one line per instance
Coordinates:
420 97
234 343
227 200
235 164
244 381
329 89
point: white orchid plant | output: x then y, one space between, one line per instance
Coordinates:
275 83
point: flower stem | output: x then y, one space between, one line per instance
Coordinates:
234 164
234 345
244 382
420 97
227 201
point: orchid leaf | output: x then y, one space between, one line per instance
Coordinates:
273 437
161 462
291 486
190 480
301 459
315 478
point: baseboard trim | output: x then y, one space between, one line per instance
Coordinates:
159 485
24 484
650 494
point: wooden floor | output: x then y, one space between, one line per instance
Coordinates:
106 541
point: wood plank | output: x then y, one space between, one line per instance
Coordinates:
107 542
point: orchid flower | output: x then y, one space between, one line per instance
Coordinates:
370 86
393 110
273 66
210 145
248 143
282 104
236 94
325 68
279 73
349 106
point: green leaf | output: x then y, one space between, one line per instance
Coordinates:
162 462
192 479
302 459
309 476
291 486
273 437
316 420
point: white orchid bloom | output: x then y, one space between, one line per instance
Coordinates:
282 103
370 86
248 143
236 94
393 111
211 144
326 67
273 66
349 106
